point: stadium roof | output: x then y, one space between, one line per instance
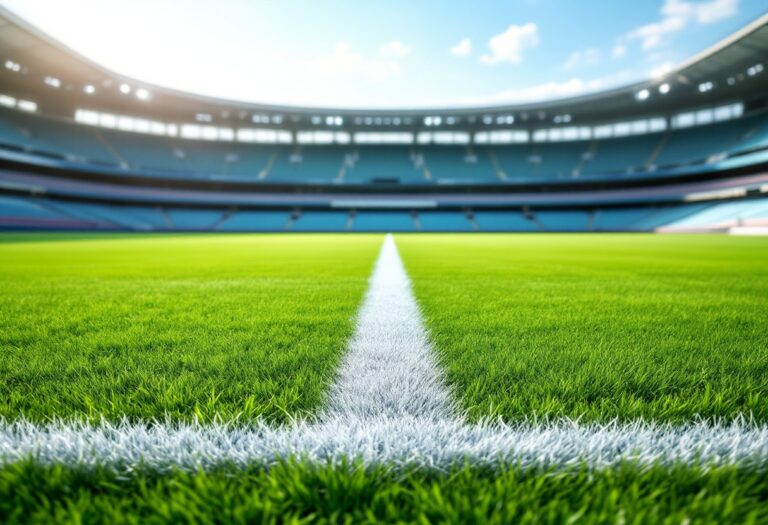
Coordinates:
732 70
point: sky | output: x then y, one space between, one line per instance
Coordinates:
392 53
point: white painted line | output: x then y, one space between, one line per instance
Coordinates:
405 441
390 369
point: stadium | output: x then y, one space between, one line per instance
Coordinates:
525 312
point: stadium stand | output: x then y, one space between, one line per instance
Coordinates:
318 221
692 156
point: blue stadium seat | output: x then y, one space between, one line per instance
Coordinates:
444 221
457 163
24 207
622 155
255 221
318 163
193 219
617 219
562 220
557 160
496 221
383 162
321 221
383 221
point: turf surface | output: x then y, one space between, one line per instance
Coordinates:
597 327
177 326
298 493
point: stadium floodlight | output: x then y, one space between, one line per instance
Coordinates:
142 94
754 70
706 86
7 101
53 82
89 89
27 105
664 88
13 66
643 94
125 89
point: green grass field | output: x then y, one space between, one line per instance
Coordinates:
175 326
254 326
598 327
297 493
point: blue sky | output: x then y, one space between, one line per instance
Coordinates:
394 53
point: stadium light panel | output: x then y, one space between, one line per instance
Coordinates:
125 89
53 82
706 86
7 101
643 94
142 94
89 89
27 105
13 66
664 88
142 125
384 137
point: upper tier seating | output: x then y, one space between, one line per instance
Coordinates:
362 164
458 163
383 162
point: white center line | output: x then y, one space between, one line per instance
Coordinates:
390 370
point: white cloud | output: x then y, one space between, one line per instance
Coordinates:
587 57
717 10
463 48
676 15
509 45
618 51
343 60
394 49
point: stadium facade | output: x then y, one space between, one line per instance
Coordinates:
82 148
